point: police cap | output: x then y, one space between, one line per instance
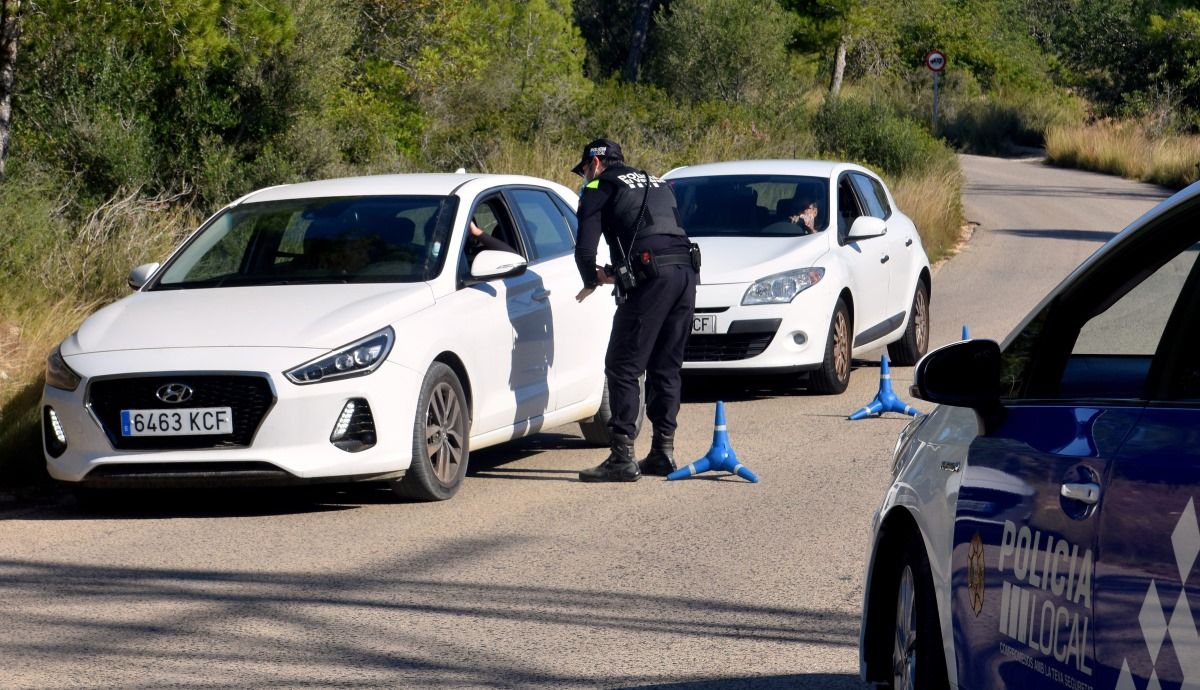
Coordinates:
604 148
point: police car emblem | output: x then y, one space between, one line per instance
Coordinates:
975 573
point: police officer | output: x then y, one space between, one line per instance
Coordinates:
655 270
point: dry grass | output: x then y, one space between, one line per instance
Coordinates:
933 199
1128 150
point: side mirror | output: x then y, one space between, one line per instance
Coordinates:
490 264
866 227
963 374
138 276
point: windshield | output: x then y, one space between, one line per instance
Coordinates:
752 205
368 239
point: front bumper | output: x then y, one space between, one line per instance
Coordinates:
290 444
762 337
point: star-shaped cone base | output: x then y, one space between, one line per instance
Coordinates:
885 400
720 458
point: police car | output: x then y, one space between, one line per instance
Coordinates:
806 265
1041 530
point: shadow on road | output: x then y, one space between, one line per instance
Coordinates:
1065 192
804 681
1100 236
386 623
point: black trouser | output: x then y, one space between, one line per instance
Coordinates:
648 335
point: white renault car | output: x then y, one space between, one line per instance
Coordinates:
347 329
806 265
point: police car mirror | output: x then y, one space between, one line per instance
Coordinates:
961 374
491 264
866 227
138 276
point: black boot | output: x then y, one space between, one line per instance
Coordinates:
618 466
661 460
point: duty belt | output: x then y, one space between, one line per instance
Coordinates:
669 259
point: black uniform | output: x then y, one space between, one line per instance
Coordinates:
653 319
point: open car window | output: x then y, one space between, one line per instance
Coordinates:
323 240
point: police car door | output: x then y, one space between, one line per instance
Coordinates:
1147 584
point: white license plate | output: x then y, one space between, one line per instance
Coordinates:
704 323
188 421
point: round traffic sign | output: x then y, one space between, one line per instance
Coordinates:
935 60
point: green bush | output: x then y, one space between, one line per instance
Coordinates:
874 134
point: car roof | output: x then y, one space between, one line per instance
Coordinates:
807 168
418 184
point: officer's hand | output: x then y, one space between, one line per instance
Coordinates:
583 294
603 278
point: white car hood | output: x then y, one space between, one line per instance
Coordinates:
746 259
305 316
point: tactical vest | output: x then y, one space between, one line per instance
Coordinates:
630 189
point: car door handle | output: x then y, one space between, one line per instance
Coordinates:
541 295
884 259
1084 493
908 242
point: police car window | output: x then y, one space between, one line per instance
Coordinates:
866 192
545 228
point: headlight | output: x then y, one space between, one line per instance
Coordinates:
782 288
356 359
58 374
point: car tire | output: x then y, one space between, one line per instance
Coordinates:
595 429
441 437
834 374
913 345
917 657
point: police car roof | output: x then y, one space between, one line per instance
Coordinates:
421 184
806 168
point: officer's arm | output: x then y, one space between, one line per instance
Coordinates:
595 196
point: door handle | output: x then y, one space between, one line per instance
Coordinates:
1084 493
541 295
908 242
884 259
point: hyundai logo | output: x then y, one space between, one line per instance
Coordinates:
174 393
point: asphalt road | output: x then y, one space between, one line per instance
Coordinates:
528 578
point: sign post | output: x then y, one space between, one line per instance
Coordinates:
935 60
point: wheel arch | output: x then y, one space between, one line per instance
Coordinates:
898 524
460 370
848 300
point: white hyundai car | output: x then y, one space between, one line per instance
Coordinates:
806 264
347 329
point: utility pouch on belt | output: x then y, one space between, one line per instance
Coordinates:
694 253
645 266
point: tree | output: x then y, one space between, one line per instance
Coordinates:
9 31
641 24
729 50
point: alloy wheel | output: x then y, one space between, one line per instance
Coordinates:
921 314
841 346
444 432
904 648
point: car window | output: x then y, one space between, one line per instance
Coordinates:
750 205
492 217
1107 334
545 228
568 213
848 209
866 192
881 197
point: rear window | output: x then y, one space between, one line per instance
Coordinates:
750 205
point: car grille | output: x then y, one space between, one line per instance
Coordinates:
744 340
249 397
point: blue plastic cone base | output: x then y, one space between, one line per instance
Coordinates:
966 332
720 458
885 400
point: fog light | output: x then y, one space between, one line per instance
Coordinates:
355 427
799 337
55 435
